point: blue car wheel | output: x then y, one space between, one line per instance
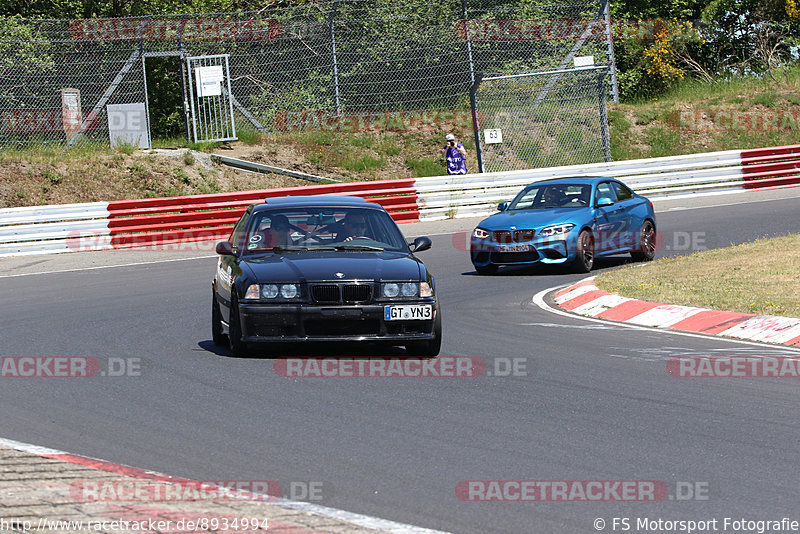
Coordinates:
647 243
584 253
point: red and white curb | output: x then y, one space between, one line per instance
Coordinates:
315 509
584 298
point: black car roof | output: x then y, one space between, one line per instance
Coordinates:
330 201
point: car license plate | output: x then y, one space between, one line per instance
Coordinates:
514 248
412 312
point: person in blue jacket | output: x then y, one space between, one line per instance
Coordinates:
455 156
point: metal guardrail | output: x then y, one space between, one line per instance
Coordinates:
163 221
267 169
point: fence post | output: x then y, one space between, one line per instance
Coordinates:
185 76
473 88
469 41
333 52
601 95
610 45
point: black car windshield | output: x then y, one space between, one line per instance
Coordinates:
310 229
548 196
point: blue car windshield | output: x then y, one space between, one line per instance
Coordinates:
548 196
305 229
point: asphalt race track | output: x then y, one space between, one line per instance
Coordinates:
596 402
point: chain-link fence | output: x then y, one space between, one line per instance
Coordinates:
342 64
542 119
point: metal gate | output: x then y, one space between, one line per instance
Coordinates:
210 98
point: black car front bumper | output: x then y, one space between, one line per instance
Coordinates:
311 322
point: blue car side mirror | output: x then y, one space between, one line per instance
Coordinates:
604 201
503 206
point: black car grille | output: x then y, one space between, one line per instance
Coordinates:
336 293
356 293
517 236
325 293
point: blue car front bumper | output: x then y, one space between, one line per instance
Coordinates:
485 252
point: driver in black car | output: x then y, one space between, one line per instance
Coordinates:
355 226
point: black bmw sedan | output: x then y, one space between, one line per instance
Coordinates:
322 269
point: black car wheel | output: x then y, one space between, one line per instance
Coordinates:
217 336
584 258
428 349
647 243
237 346
486 269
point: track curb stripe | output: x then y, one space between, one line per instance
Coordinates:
309 508
584 298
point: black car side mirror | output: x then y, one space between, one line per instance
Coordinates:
225 247
420 244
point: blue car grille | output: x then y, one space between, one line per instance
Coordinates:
517 236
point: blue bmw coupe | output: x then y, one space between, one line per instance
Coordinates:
566 220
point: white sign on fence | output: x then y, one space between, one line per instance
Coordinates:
209 80
127 124
493 135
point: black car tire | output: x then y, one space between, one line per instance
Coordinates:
217 336
428 349
485 269
647 243
584 256
237 347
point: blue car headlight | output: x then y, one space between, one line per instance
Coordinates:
480 233
556 229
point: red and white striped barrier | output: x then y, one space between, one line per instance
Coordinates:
584 298
166 221
729 171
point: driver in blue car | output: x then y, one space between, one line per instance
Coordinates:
553 197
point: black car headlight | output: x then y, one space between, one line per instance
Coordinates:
272 291
392 290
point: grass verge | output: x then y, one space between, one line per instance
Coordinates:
761 277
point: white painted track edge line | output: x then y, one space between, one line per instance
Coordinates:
538 300
96 267
333 513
